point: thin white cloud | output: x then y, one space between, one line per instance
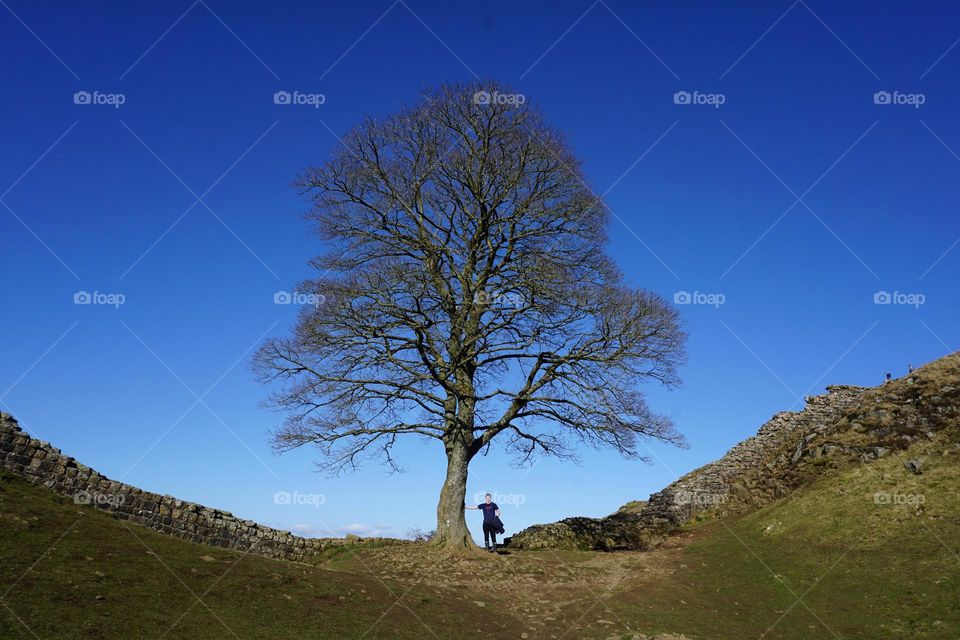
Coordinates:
357 529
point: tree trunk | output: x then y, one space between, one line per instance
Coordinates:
452 529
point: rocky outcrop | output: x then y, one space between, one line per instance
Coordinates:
619 532
729 482
720 484
42 464
889 418
846 425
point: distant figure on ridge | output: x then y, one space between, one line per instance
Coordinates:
491 513
888 376
909 368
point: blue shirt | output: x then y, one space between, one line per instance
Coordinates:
489 511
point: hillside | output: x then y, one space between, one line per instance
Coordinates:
866 568
871 549
70 571
847 426
842 525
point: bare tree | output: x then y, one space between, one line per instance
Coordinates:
467 295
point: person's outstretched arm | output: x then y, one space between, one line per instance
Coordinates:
466 506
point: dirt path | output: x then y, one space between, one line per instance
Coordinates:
555 594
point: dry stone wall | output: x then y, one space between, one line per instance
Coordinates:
747 474
715 485
847 425
42 464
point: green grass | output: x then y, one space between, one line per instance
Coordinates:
860 569
73 572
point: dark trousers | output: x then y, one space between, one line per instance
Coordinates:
489 534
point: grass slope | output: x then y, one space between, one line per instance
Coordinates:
70 571
866 551
871 551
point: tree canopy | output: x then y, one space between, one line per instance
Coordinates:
467 294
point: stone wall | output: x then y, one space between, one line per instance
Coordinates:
720 483
748 475
42 464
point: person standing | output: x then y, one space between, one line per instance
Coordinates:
490 512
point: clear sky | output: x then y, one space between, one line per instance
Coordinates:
811 165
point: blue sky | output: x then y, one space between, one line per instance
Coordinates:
827 175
